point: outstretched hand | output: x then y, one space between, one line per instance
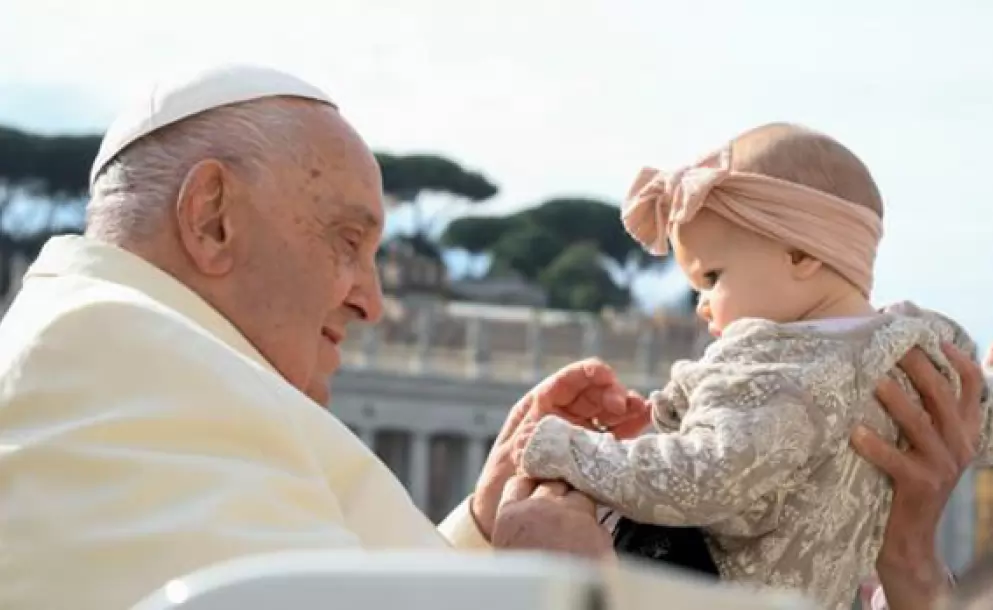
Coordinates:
587 393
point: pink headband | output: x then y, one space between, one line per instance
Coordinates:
839 233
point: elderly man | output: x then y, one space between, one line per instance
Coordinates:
160 377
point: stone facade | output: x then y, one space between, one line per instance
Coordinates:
403 270
984 511
429 387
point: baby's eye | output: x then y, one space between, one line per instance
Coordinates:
710 278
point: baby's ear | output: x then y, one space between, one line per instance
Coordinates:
802 265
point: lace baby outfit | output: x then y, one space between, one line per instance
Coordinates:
753 445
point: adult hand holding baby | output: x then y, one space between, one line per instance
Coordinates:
549 517
942 446
582 392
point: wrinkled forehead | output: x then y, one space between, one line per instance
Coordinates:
351 190
335 173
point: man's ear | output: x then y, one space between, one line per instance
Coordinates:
802 265
203 213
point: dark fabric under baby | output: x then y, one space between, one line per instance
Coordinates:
681 547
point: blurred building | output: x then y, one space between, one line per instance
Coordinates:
984 511
411 272
957 531
430 385
408 271
505 288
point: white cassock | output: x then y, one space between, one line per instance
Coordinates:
142 437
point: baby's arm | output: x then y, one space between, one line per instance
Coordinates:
731 449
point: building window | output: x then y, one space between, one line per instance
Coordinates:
393 448
984 510
447 477
391 275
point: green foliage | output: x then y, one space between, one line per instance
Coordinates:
565 221
407 177
56 169
576 220
576 280
560 245
476 234
50 167
529 249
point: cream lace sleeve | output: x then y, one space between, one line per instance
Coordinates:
743 440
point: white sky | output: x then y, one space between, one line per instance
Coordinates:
571 97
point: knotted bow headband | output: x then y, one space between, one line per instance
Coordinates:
841 234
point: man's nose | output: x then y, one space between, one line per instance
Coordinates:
367 298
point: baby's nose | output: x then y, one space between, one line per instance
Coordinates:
703 307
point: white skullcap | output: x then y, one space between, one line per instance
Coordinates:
170 101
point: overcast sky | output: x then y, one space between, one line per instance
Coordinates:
571 97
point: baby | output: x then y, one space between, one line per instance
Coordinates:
778 231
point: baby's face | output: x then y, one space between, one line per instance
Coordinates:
739 274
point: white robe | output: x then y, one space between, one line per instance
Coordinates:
143 437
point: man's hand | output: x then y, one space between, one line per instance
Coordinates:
579 392
549 517
942 445
587 393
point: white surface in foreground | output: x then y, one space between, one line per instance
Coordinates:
447 581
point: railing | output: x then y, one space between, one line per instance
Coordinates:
458 340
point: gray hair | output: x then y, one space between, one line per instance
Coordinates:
135 193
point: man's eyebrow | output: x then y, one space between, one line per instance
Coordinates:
360 213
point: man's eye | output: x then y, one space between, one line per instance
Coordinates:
354 241
711 278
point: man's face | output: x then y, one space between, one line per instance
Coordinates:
304 252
